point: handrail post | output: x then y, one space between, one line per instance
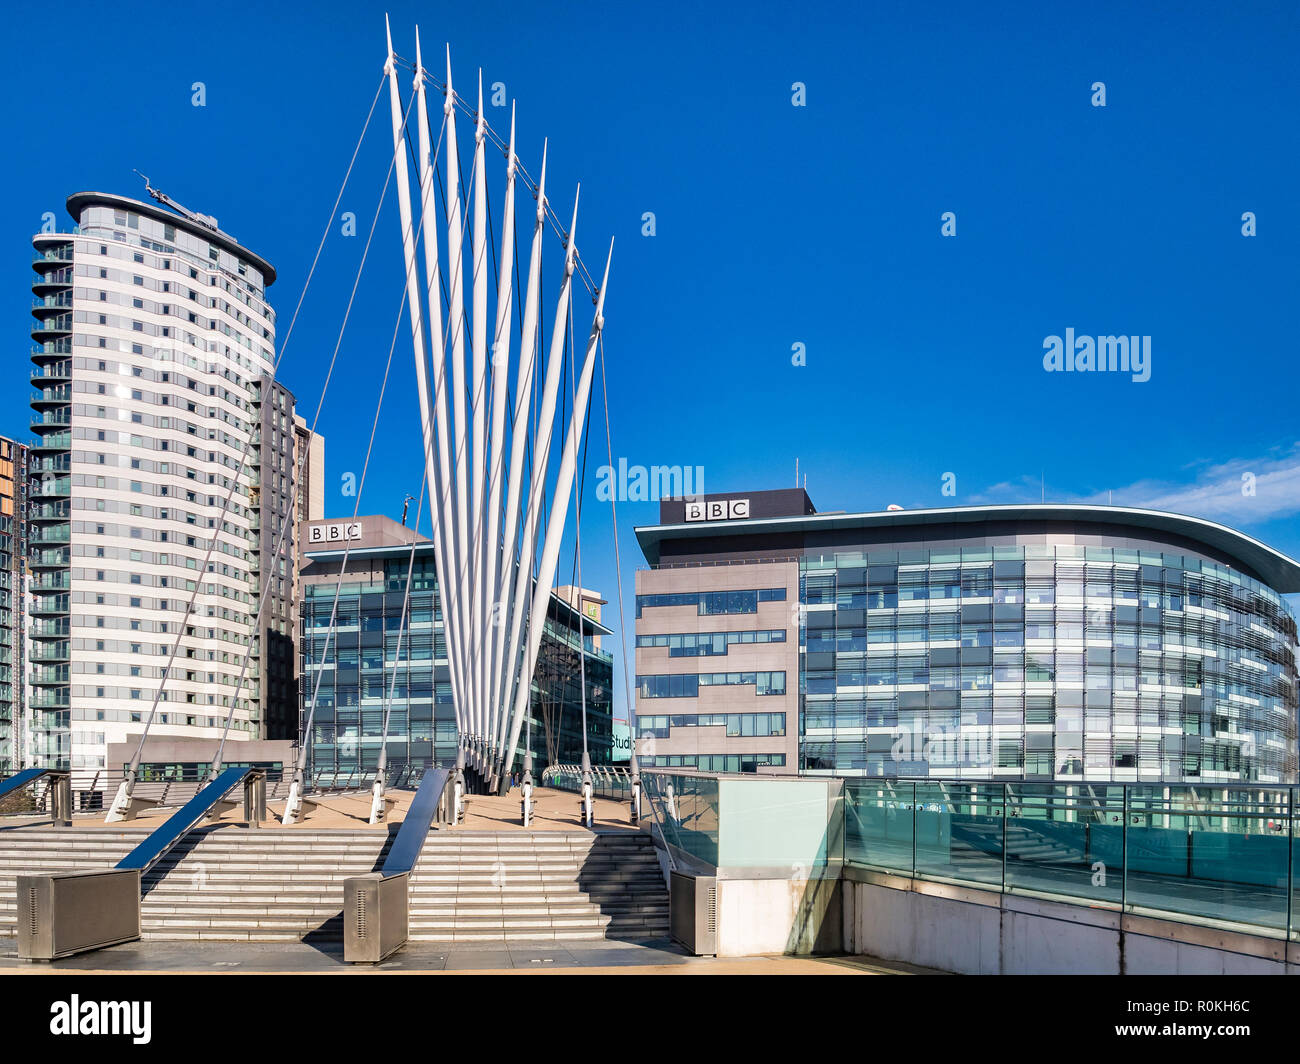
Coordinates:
458 785
255 798
61 799
526 790
634 772
588 796
1290 861
1005 793
1123 850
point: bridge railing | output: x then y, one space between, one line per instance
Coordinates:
1222 856
92 790
608 781
1225 856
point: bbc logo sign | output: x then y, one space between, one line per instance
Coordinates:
718 510
334 533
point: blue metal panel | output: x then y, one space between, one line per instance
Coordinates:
182 822
410 837
20 780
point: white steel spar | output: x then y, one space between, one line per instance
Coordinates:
488 492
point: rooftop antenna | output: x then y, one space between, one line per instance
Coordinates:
202 219
796 472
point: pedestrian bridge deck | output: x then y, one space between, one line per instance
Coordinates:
554 810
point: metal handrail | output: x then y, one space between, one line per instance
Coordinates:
163 838
406 848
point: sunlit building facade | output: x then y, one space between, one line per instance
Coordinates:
153 346
1032 642
374 648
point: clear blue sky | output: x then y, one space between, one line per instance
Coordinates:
776 225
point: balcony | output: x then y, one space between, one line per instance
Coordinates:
48 511
54 279
55 441
49 652
57 393
55 699
49 605
50 559
60 323
52 347
52 417
53 301
52 372
51 629
59 253
50 674
58 581
50 535
50 487
55 463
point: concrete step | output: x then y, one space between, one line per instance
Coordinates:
264 886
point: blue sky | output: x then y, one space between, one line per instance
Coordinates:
776 225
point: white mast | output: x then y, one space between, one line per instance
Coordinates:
456 313
518 445
413 301
559 510
541 456
446 542
500 365
478 339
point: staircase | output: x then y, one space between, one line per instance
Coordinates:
265 885
271 885
548 885
28 851
221 883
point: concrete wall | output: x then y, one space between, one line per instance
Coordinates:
778 916
976 932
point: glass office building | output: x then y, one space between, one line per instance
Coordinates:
1004 642
353 667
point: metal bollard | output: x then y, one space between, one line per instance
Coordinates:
634 771
588 796
526 791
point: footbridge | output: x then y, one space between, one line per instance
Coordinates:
981 876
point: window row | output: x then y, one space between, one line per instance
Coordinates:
707 644
737 724
709 603
687 685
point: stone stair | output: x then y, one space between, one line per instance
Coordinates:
541 886
26 851
265 885
221 883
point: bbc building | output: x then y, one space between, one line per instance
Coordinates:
356 632
1023 642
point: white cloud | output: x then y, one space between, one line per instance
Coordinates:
1213 491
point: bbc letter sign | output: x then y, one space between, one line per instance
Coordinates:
718 510
335 533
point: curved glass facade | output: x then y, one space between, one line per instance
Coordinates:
1043 662
348 667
